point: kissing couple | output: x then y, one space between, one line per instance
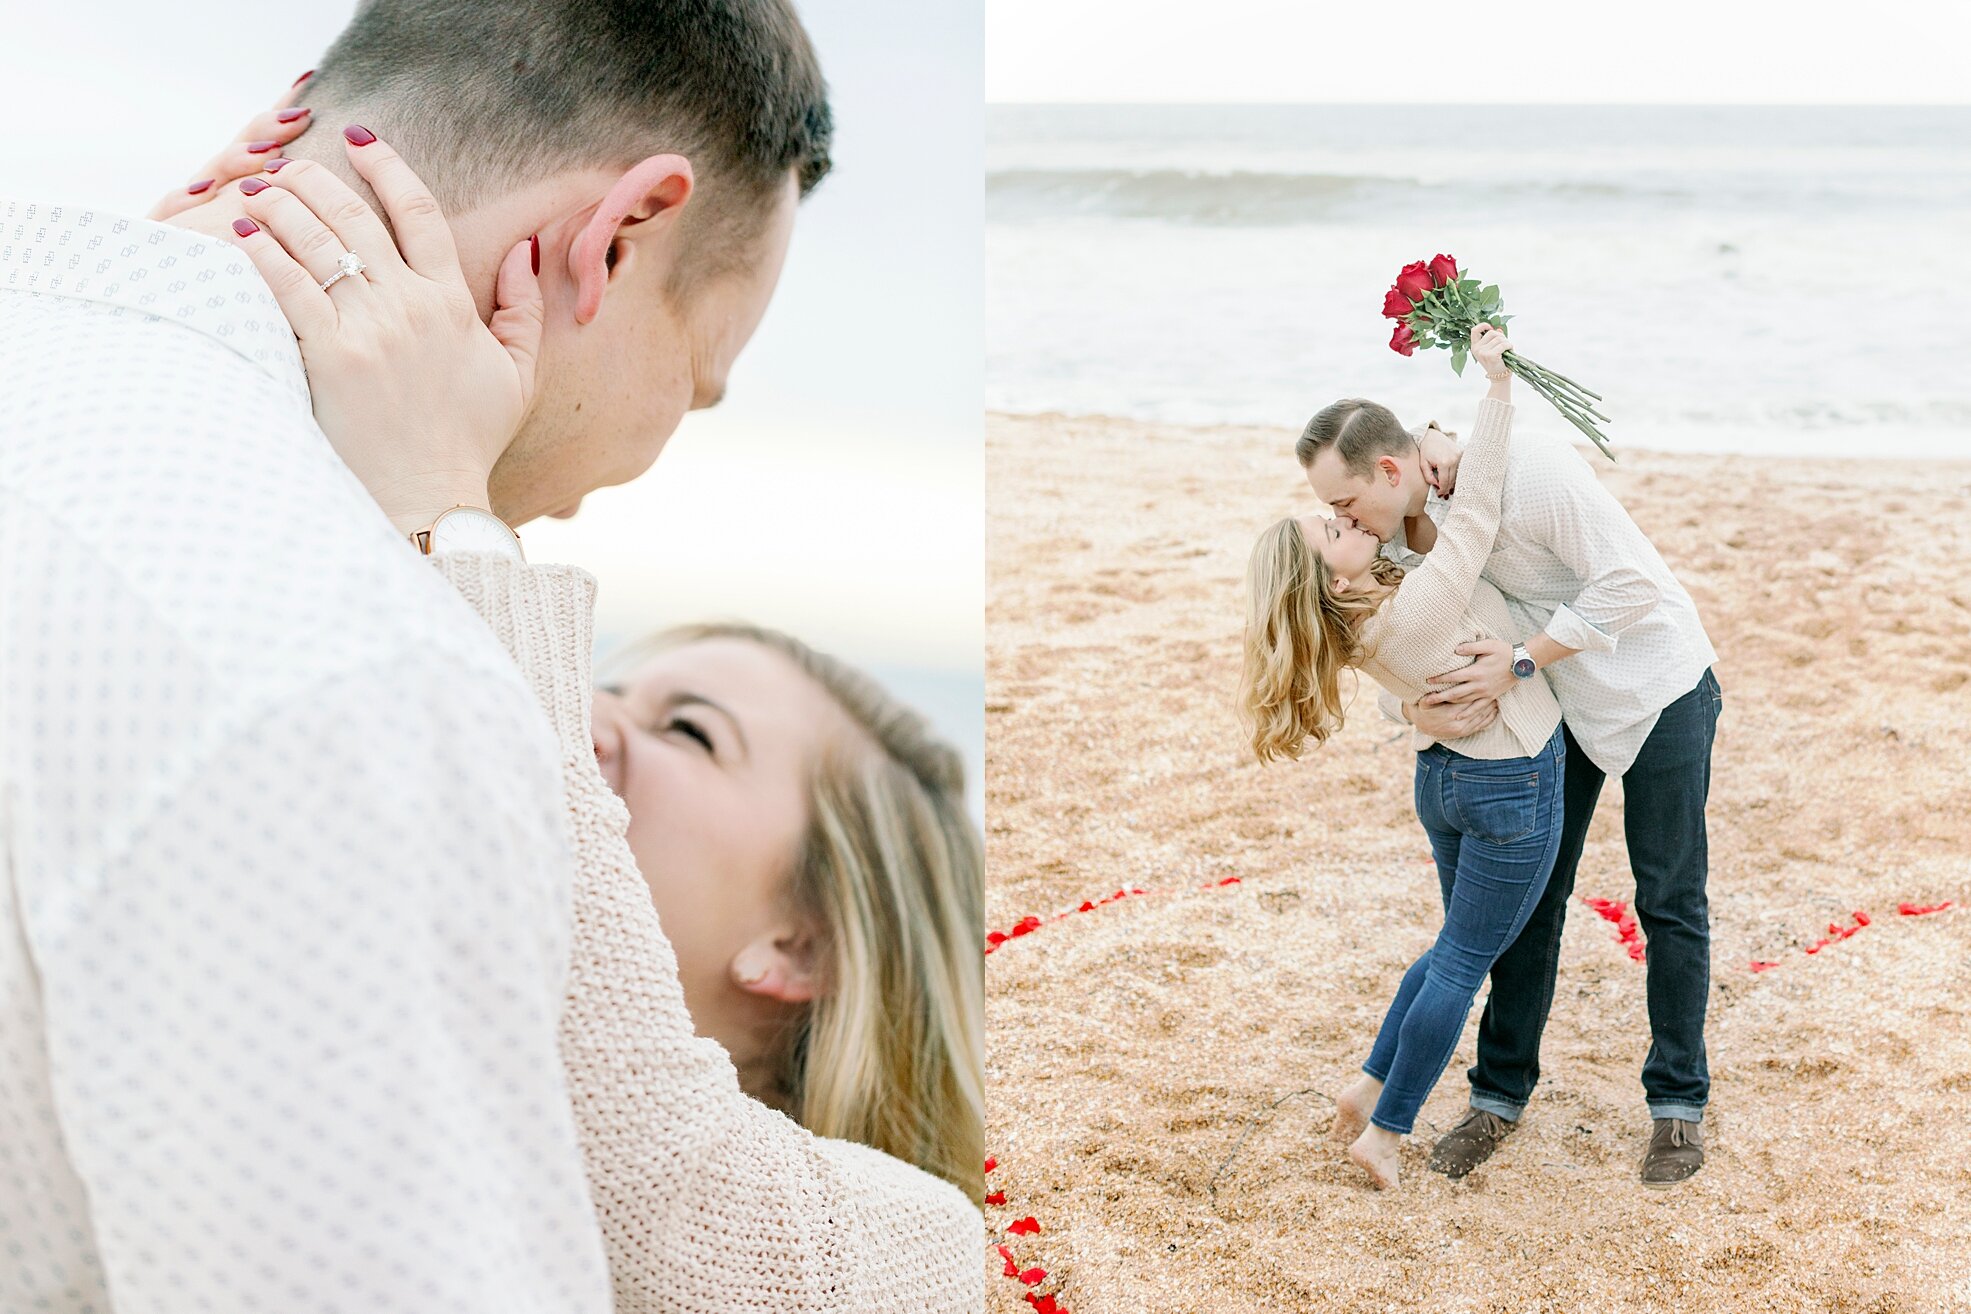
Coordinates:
1533 638
359 953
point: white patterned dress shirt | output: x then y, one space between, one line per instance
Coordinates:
284 870
1572 563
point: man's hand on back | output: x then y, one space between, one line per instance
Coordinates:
1488 677
1452 720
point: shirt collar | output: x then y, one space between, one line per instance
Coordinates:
161 270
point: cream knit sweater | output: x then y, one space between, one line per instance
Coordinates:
708 1199
1446 601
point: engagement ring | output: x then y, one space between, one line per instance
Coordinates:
350 263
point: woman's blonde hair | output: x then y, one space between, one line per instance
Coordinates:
892 1052
1300 633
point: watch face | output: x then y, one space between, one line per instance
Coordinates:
468 529
1524 668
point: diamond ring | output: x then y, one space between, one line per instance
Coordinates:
349 263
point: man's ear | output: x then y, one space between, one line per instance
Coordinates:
782 963
647 199
1391 470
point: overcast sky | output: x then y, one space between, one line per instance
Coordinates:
1492 51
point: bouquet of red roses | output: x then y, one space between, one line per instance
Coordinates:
1435 305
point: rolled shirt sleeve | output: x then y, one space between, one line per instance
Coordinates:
1565 627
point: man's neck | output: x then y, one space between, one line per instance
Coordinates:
1419 530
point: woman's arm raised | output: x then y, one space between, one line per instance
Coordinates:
1435 593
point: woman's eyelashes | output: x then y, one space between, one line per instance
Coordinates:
692 730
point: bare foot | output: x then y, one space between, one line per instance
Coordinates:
1353 1107
1375 1151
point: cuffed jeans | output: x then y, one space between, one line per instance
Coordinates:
1664 794
1494 827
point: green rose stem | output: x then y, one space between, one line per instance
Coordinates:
1573 417
1515 358
1548 385
1563 388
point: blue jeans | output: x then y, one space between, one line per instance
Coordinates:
1494 827
1663 796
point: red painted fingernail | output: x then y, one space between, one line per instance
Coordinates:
245 227
303 78
260 147
274 165
358 135
254 186
534 251
198 187
290 115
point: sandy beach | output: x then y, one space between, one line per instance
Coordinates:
1160 1065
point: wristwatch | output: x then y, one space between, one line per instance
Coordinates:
1522 662
466 528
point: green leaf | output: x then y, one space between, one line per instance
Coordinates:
1458 358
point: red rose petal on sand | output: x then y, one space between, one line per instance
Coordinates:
996 1198
1759 965
1045 1304
1921 909
1033 1276
1024 1227
991 1164
1861 918
1086 906
997 937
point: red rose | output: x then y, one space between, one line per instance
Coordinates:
1414 281
1402 341
1395 305
1443 269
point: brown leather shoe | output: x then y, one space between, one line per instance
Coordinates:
1676 1150
1469 1144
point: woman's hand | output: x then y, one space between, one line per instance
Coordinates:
1488 347
415 393
261 140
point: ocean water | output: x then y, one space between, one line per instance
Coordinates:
1769 280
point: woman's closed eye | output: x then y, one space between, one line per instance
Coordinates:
690 729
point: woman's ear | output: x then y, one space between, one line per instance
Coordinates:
647 199
781 963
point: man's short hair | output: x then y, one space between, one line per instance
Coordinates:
486 96
1359 430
